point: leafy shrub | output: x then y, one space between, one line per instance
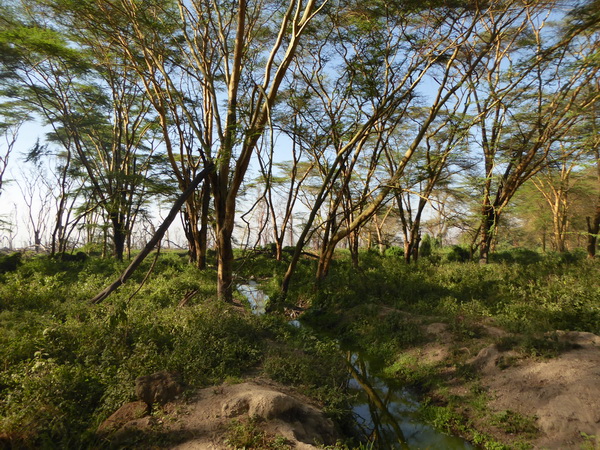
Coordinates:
9 263
516 255
425 246
458 254
49 404
394 252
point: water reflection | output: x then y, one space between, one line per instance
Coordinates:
258 299
387 414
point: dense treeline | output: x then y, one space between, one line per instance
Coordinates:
326 123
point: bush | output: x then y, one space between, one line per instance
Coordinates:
9 263
517 255
394 252
425 247
458 254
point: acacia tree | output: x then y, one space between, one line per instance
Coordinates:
555 183
431 169
593 221
284 181
524 108
9 132
218 86
85 94
384 77
38 199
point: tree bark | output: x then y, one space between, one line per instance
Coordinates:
593 229
119 234
488 229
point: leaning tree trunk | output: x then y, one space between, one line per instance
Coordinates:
160 232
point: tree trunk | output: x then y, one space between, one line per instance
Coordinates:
593 229
544 240
325 259
559 236
488 227
224 218
119 234
279 247
203 241
224 264
353 245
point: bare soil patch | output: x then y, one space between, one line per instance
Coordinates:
559 395
206 420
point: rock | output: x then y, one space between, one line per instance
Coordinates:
436 328
274 404
486 360
160 387
126 413
289 416
580 338
203 420
235 407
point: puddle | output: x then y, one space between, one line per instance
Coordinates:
258 299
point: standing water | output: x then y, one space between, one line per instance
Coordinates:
258 299
387 415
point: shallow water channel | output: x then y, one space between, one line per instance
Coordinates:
386 414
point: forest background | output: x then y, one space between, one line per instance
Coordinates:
318 144
326 124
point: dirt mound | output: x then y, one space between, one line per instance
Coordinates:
206 420
562 393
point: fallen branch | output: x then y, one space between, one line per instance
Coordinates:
160 232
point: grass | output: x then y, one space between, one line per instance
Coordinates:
529 294
249 434
66 365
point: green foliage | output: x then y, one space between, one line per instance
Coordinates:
512 422
426 246
394 252
408 370
249 435
458 254
547 346
313 365
9 263
65 365
517 255
441 417
47 402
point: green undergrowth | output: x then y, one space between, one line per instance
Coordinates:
546 294
65 365
379 310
